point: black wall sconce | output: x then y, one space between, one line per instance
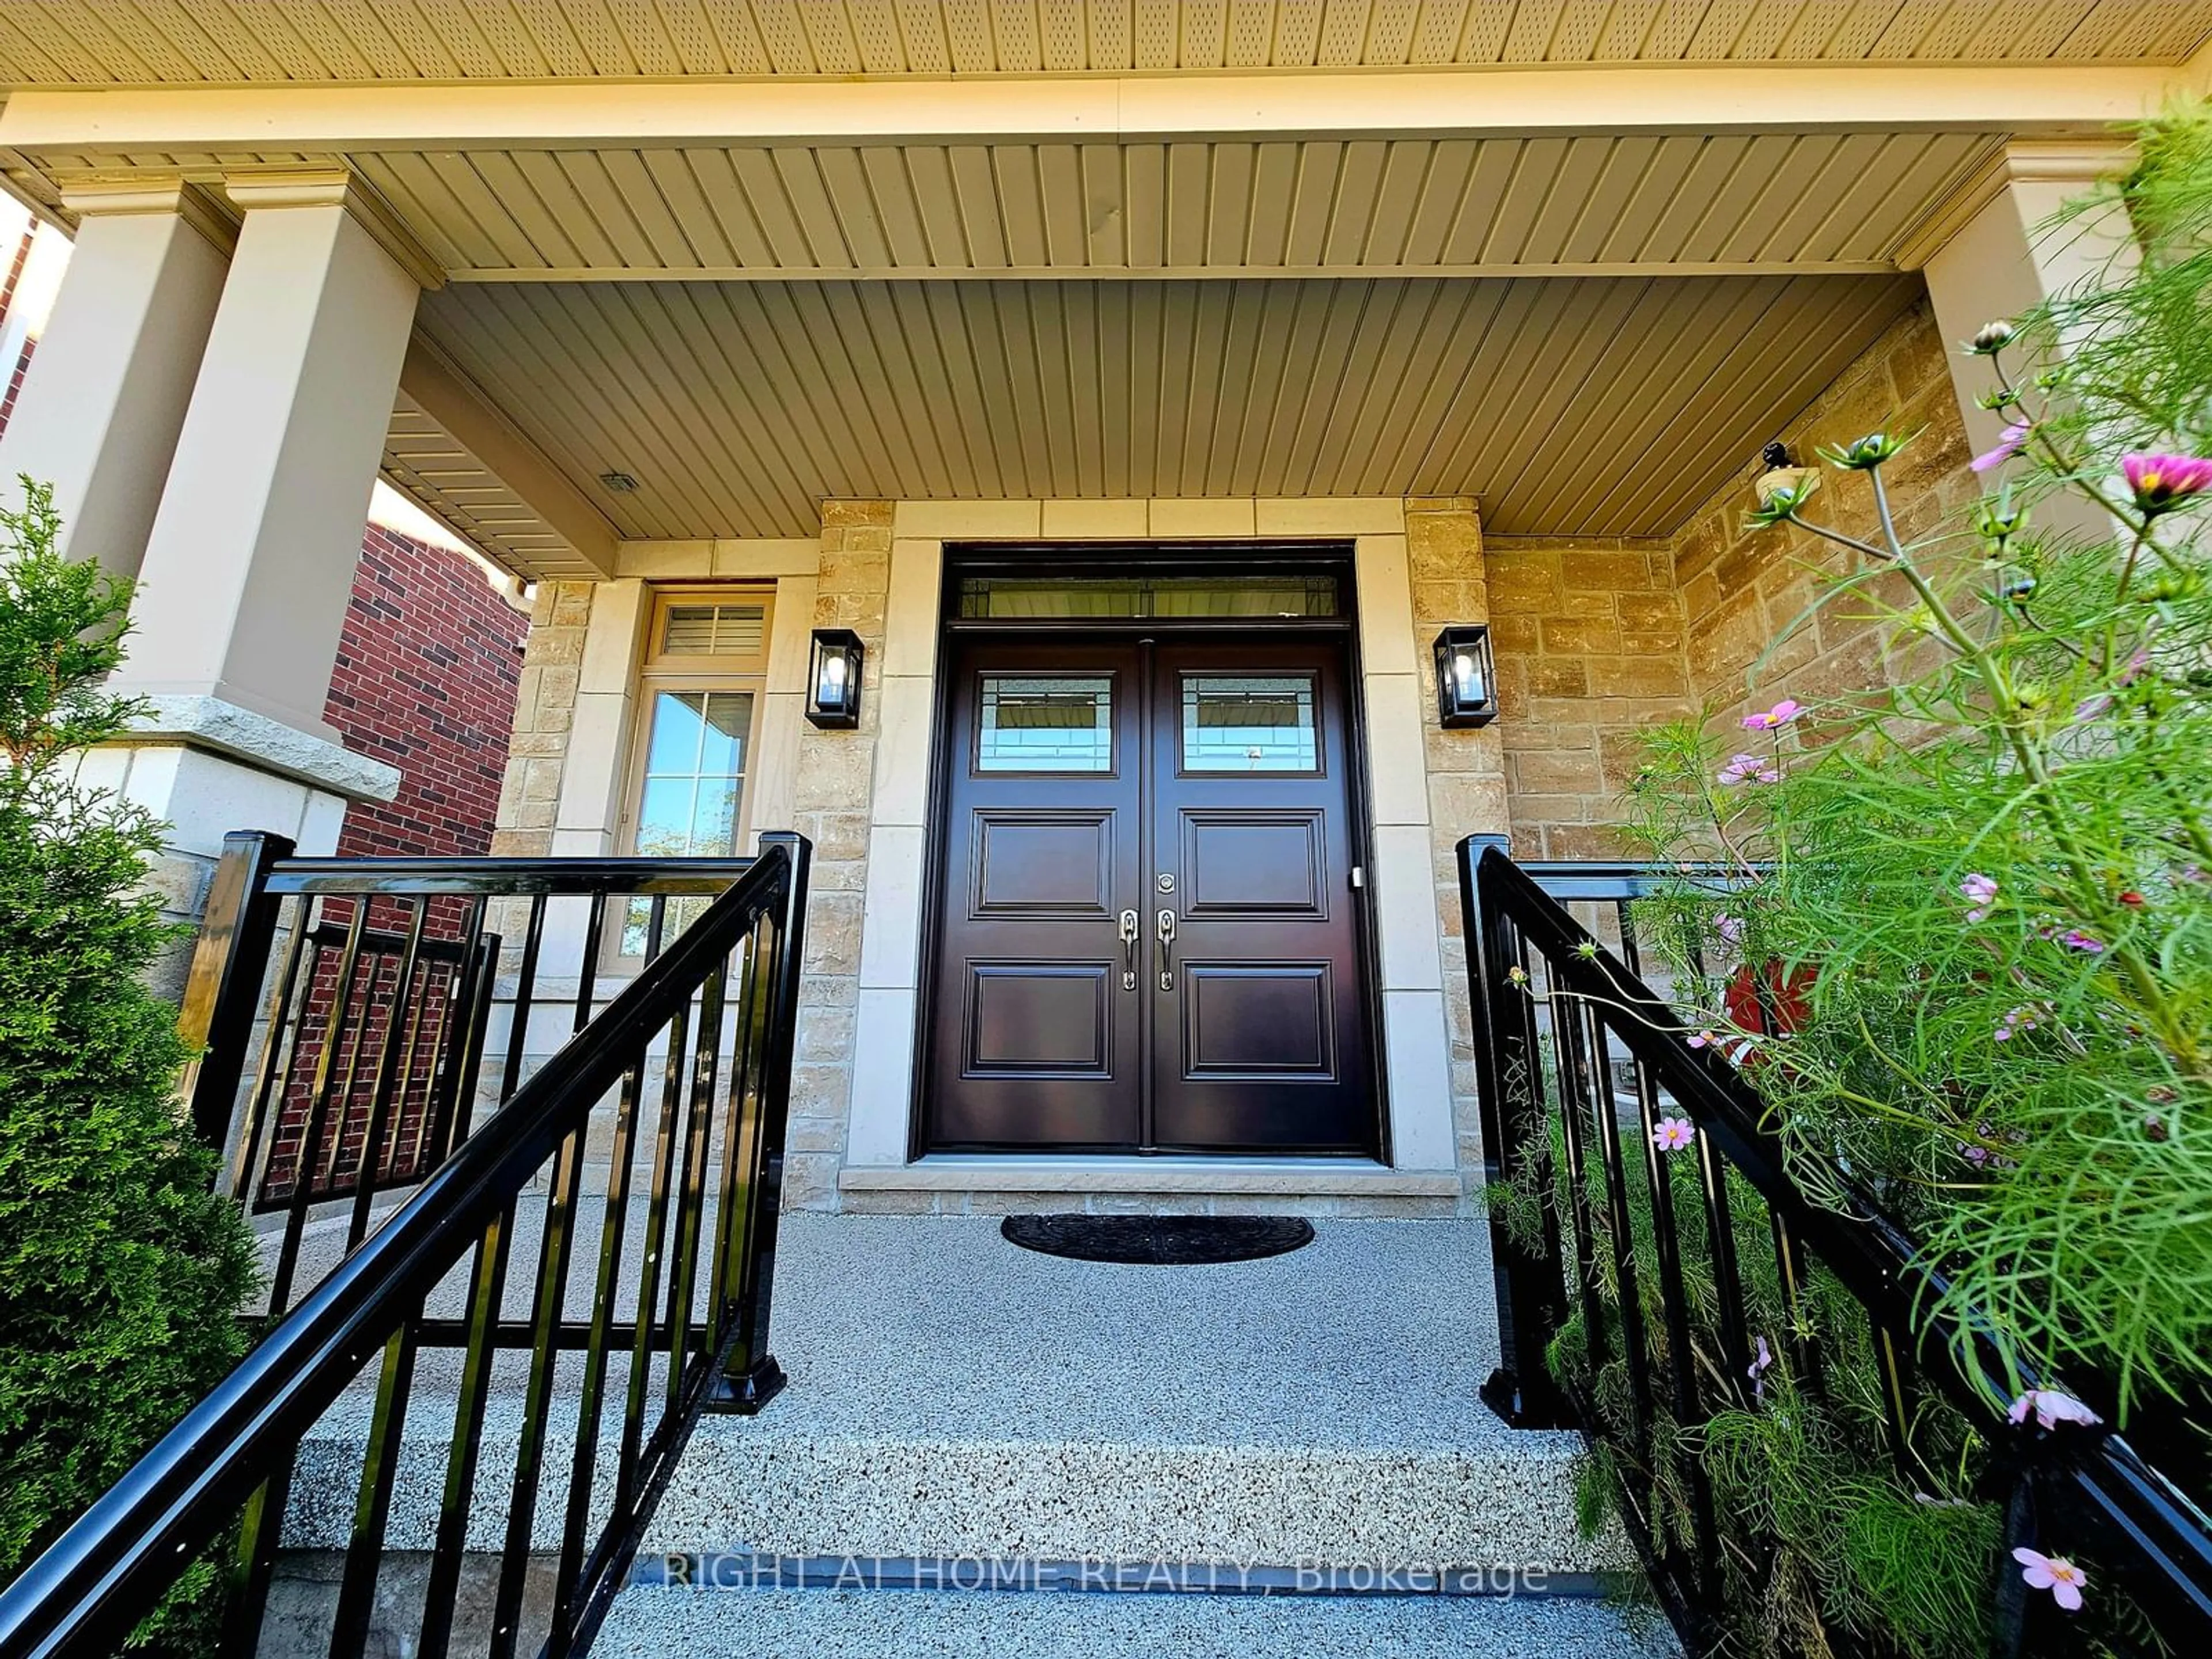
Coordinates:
1466 678
833 681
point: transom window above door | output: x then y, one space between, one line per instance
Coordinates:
1261 595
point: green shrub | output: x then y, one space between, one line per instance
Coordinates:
120 1272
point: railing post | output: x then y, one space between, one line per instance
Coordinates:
1531 1294
222 990
751 1377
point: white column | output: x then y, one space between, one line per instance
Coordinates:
108 387
251 561
2013 254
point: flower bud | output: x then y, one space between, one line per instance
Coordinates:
1993 338
1864 455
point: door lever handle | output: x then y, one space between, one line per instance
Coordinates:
1167 950
1130 928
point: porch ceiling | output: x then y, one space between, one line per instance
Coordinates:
198 42
1590 405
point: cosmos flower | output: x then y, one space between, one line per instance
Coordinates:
1978 891
2055 1573
1757 1371
1781 714
2087 943
2164 483
1748 769
1674 1133
2009 443
2051 1408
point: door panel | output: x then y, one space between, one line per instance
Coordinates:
1034 1042
1261 1041
1200 795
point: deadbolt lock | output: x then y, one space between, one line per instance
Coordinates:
1167 881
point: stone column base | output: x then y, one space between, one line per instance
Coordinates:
205 767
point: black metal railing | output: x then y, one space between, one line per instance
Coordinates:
679 1087
357 1015
1578 1059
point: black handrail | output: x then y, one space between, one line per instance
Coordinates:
235 1450
2152 1535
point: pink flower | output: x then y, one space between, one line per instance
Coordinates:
1703 1040
1730 929
2163 482
2087 943
2055 1573
1748 769
2009 445
1781 714
1674 1133
1978 891
2051 1408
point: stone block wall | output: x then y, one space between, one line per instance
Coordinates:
1590 637
1743 590
544 709
837 771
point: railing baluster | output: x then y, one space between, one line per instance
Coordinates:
380 1469
526 985
591 1397
318 1101
653 1263
277 1054
253 1564
691 1193
487 1290
1573 1096
1606 1124
381 1098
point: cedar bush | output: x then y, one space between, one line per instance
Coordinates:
120 1272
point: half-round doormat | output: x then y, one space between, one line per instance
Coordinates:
1178 1241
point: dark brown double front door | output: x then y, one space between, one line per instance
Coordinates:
1148 935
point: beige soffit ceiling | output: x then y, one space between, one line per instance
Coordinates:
169 42
1594 406
1594 204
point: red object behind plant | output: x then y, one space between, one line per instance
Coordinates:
1786 995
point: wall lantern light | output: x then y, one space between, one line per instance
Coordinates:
1467 679
833 682
1780 472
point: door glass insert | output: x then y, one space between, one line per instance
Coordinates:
695 779
1046 723
1249 723
1031 599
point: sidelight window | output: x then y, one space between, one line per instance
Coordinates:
699 694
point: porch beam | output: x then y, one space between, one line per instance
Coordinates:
2053 99
470 420
1157 273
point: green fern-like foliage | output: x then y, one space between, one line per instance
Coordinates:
1988 882
122 1271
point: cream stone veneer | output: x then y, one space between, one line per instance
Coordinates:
861 796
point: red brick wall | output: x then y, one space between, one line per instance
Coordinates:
426 677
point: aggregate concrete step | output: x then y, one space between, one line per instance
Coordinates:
651 1624
954 1396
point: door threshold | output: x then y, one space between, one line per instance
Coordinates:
989 1172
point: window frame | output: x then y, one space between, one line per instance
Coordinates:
659 672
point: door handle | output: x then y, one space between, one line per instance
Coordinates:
1167 950
1130 928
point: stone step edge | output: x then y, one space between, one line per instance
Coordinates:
737 1572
